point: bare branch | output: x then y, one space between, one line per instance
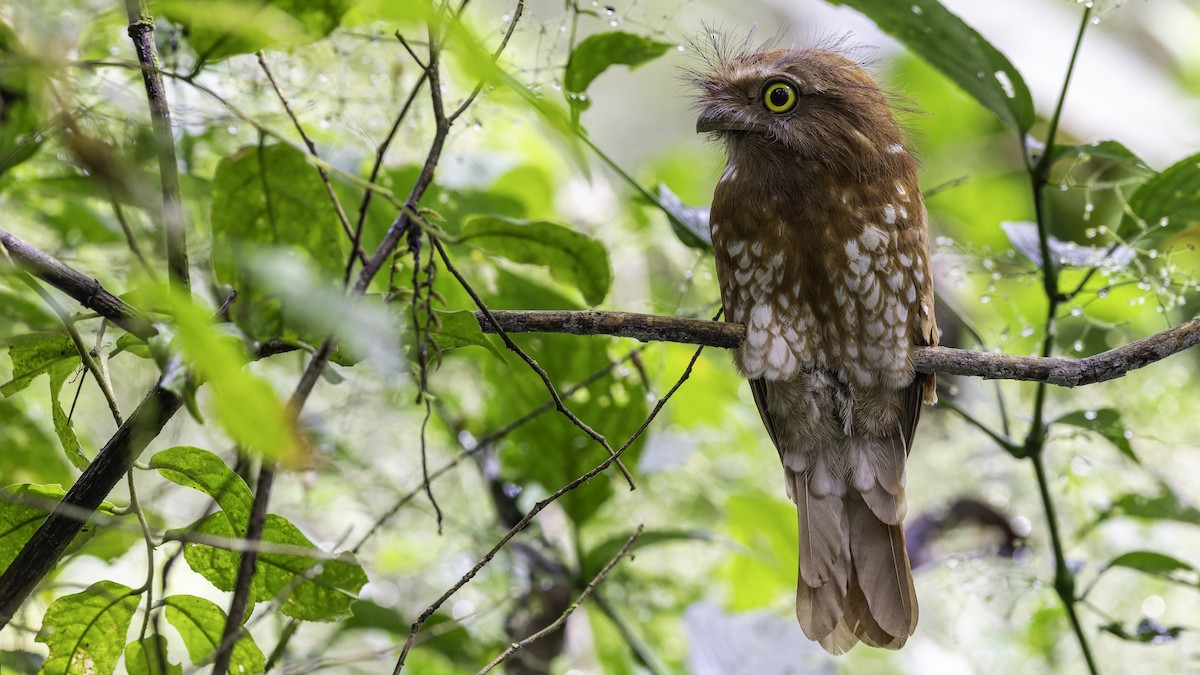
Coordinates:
516 646
83 289
1061 371
141 32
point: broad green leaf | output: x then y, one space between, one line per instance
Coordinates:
85 632
458 329
1157 565
217 29
935 34
573 258
764 565
33 354
318 589
1106 422
148 656
597 52
599 556
246 405
270 197
204 471
25 458
201 623
129 342
1171 200
22 510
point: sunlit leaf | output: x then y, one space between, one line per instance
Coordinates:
85 632
600 51
1112 151
935 34
572 257
764 564
218 29
22 510
1171 200
1106 422
246 405
202 470
148 656
201 624
317 588
33 354
1024 238
690 223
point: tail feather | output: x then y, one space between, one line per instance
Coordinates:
824 558
882 570
855 582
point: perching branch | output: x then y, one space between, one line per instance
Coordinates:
1064 372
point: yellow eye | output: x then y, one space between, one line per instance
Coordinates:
779 97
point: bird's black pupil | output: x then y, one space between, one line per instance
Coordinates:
779 96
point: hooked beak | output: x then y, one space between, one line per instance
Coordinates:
710 120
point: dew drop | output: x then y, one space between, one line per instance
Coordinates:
1076 312
985 299
1089 414
1077 346
916 10
1027 331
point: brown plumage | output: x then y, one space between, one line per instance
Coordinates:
822 251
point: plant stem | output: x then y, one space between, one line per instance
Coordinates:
1035 442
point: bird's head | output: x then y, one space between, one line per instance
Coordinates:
789 104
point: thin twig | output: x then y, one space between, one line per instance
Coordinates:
312 149
537 508
497 328
557 623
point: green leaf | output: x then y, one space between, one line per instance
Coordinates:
1171 200
22 510
63 427
1157 565
131 343
1166 505
270 197
458 329
85 632
1112 151
148 656
573 258
318 588
201 623
764 565
548 450
935 34
204 471
1106 422
218 29
33 354
599 556
597 52
246 405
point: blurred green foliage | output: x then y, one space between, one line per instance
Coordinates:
534 219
